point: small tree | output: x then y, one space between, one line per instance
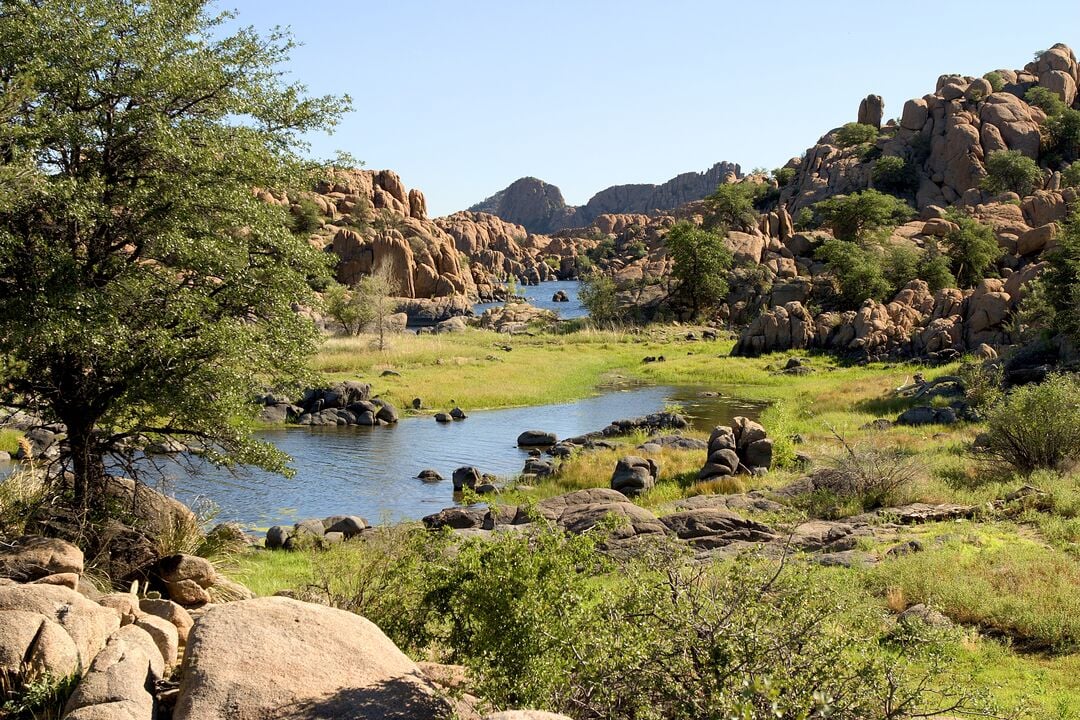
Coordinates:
373 296
857 216
340 303
1062 279
853 134
732 206
857 272
1011 171
1046 100
1037 426
894 174
784 176
934 268
973 248
597 294
702 261
997 82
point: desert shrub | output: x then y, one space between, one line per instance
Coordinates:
1046 100
900 266
784 176
1070 176
857 273
597 294
1036 426
854 133
732 206
43 698
857 216
935 268
997 82
1035 316
636 249
982 382
1064 137
604 250
894 174
973 248
863 477
304 217
806 220
1011 171
1062 279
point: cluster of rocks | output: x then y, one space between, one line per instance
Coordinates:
515 318
314 532
347 403
448 417
743 448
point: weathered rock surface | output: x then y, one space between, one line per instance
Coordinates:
313 661
634 475
31 557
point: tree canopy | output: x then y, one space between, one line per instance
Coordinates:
855 217
701 264
145 287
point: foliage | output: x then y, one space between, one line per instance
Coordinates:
862 477
855 217
701 264
1064 137
935 268
145 287
597 294
857 273
894 174
805 220
304 217
1062 278
1036 426
22 492
900 266
997 82
1045 99
1011 171
1070 176
853 133
604 250
374 295
635 249
732 206
43 698
972 246
982 382
1036 315
784 176
340 303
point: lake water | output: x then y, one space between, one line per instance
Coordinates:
372 471
540 296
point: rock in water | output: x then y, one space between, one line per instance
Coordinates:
281 658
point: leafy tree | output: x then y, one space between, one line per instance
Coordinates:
1070 176
857 216
1036 426
144 287
852 134
894 174
340 303
597 294
784 176
972 247
1062 278
374 296
934 267
900 266
1064 132
304 217
702 261
857 272
732 206
1011 171
1045 99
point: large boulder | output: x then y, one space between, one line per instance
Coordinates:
31 557
88 623
284 659
32 644
536 438
117 685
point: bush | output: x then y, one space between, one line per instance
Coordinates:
304 217
982 382
894 174
973 247
1011 171
806 220
1070 176
1062 279
934 267
1036 426
784 176
1064 132
1046 100
862 478
732 206
855 217
597 294
853 134
997 82
900 266
857 273
701 262
635 249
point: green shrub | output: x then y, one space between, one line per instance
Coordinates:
732 206
1011 171
806 220
1036 426
1047 100
973 247
862 478
894 174
982 382
597 294
635 249
1064 132
855 217
997 82
852 134
784 176
1070 176
701 263
900 266
857 273
1062 278
304 217
935 268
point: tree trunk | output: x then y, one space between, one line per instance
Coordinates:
87 463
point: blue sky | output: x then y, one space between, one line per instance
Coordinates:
462 98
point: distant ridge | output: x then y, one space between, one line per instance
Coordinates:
541 208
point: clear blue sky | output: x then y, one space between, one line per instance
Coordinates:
462 98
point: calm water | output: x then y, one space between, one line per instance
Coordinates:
540 296
372 471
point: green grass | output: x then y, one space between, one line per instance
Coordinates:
9 440
265 572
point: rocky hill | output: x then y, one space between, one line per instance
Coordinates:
540 207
